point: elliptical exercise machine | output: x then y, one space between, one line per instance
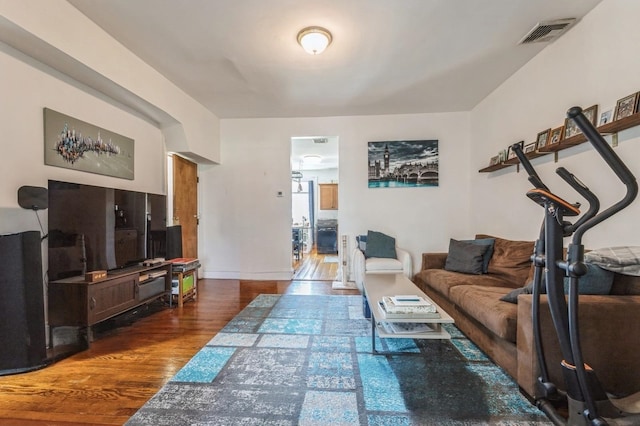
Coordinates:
587 402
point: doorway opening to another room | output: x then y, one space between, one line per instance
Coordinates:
314 207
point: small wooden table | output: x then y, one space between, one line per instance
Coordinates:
377 286
183 268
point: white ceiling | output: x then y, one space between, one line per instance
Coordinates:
240 58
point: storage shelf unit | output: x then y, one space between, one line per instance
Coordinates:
606 129
75 302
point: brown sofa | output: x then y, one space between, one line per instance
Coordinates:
609 324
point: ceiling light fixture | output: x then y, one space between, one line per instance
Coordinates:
314 39
312 159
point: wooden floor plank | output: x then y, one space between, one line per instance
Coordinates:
125 366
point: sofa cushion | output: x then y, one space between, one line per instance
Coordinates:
442 280
486 257
511 260
382 264
380 245
484 305
465 257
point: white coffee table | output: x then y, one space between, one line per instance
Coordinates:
377 286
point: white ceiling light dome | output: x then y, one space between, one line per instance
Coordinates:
314 40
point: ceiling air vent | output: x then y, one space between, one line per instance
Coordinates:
547 31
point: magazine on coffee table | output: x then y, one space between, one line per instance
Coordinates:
403 314
406 327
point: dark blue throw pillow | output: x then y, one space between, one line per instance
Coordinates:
380 245
465 257
486 257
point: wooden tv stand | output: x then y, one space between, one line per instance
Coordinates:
75 302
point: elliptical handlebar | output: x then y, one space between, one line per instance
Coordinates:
581 188
603 148
533 175
613 161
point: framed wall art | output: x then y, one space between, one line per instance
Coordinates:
555 135
542 139
570 126
75 144
605 117
528 148
397 164
626 106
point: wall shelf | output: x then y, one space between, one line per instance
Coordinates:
606 129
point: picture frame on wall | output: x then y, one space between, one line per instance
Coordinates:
555 135
530 147
605 117
591 113
626 106
570 126
403 163
511 153
543 139
75 144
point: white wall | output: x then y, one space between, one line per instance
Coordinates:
26 91
90 55
596 62
245 227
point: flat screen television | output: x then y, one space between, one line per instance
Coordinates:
96 228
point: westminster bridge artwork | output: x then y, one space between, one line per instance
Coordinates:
395 164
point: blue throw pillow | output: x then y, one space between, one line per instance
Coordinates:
465 257
380 245
486 257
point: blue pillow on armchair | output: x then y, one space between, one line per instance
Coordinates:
380 245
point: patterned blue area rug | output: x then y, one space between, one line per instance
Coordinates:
306 360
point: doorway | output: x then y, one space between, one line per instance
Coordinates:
314 168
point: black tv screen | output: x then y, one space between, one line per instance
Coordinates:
95 228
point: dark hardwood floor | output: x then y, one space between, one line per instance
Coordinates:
127 365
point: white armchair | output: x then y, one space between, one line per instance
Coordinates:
378 265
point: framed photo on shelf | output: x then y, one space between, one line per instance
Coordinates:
626 106
511 153
605 117
542 139
494 160
570 128
555 135
592 114
530 147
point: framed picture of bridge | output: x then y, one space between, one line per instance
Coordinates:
75 144
401 164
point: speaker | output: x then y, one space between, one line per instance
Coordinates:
22 329
174 242
33 198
